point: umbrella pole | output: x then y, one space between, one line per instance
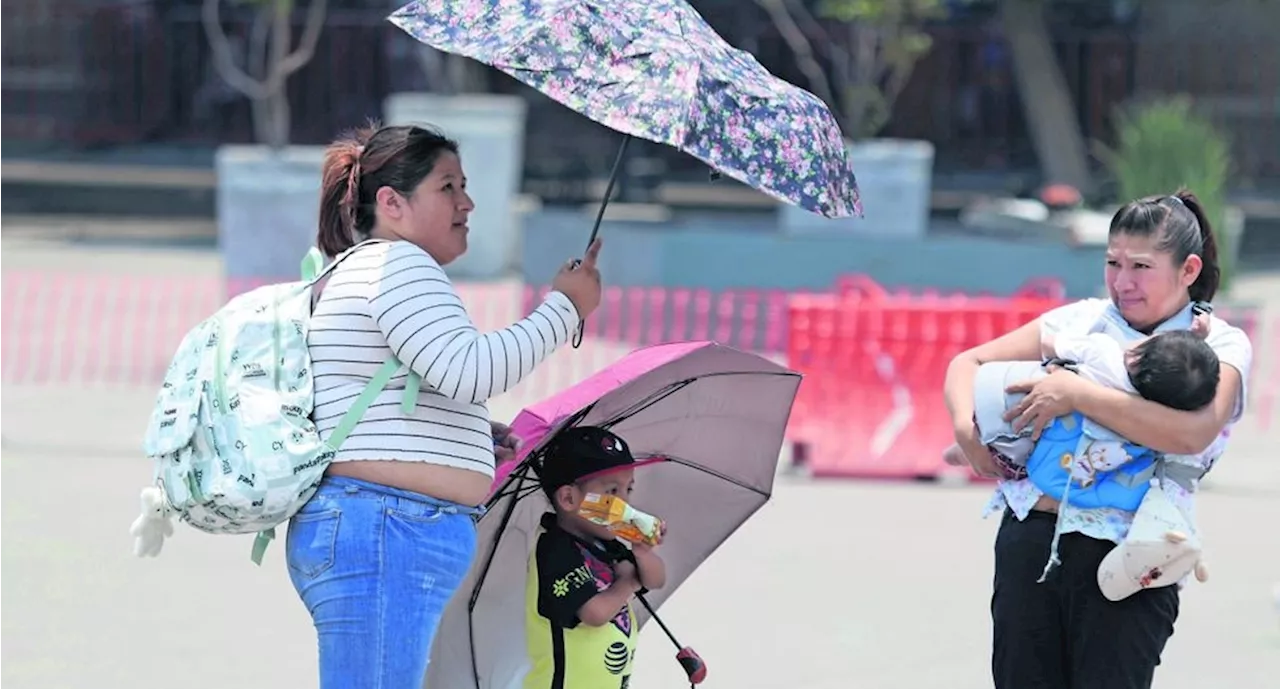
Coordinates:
608 190
604 203
657 619
688 658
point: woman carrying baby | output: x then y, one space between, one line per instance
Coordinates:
1062 633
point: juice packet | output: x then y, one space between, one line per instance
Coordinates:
622 519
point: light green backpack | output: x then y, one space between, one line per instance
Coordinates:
231 436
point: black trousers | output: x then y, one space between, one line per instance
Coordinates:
1063 634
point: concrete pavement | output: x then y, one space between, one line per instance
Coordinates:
831 585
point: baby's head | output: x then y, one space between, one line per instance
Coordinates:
1176 368
582 460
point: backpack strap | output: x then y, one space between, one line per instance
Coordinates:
371 391
313 268
312 264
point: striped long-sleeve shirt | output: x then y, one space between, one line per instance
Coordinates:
392 298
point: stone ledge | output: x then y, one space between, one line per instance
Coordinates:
98 174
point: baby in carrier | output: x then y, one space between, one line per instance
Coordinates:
1076 460
1177 369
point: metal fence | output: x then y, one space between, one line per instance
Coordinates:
113 74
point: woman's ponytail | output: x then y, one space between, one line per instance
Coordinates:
340 194
1206 285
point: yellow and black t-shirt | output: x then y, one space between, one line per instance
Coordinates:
564 574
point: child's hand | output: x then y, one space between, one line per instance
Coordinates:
651 570
505 443
645 548
1200 325
625 574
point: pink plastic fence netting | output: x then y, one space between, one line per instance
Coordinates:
84 329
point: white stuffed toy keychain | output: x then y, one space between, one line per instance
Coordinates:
152 526
1201 569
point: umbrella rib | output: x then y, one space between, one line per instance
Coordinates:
506 517
672 388
717 474
646 402
518 476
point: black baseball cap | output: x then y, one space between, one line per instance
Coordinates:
579 453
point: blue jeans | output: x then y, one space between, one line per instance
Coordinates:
376 567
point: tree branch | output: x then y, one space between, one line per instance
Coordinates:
814 29
277 134
803 49
256 59
258 65
307 45
896 81
223 60
899 68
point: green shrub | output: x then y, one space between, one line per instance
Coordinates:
1164 145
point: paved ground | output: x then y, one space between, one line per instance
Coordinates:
832 585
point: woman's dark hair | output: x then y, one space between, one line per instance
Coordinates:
1181 228
361 162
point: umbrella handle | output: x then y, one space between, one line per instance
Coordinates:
688 658
693 665
595 229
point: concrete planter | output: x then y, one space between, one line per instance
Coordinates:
895 177
489 130
268 208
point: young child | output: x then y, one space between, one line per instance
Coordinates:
579 624
1177 369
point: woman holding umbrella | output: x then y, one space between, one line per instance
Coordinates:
1064 633
381 547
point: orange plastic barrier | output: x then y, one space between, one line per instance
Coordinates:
874 363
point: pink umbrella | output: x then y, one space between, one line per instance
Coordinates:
716 414
534 424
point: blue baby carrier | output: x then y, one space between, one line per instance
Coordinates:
1063 444
1063 441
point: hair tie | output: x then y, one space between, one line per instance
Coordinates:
353 188
1177 200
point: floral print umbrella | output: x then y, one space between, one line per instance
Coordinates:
655 69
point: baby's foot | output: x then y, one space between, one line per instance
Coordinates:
954 456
